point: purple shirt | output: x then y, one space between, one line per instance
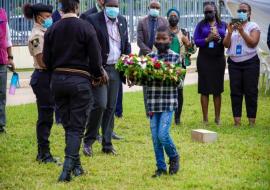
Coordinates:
202 31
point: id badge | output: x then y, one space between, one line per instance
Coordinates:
211 44
238 49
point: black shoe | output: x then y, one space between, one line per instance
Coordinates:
159 173
87 150
174 165
109 151
67 169
46 158
2 130
78 170
116 137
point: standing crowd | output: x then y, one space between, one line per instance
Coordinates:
75 75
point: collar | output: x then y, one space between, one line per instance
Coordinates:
98 8
107 19
69 15
40 27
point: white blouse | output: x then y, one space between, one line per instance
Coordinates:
239 50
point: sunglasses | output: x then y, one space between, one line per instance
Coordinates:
208 12
242 10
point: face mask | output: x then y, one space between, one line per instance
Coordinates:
209 16
60 6
162 47
173 21
154 12
242 16
112 12
47 23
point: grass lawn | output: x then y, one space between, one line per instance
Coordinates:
240 159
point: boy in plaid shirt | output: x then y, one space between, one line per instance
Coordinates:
162 102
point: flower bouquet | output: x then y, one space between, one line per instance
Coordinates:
144 70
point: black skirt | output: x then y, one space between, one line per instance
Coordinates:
211 68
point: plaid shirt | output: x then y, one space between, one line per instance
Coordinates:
161 98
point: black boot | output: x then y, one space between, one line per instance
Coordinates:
78 170
159 172
67 169
174 165
45 156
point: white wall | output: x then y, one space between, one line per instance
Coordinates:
22 57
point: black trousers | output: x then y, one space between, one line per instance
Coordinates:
244 79
73 99
178 111
40 83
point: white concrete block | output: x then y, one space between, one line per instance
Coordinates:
203 136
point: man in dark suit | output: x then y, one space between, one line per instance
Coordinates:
146 32
112 32
97 8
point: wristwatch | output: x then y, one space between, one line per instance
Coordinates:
10 57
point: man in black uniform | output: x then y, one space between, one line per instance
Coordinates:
72 52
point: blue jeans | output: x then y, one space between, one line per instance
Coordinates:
3 88
160 124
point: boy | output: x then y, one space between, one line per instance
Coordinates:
162 101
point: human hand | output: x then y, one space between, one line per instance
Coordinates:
210 37
11 65
239 26
230 28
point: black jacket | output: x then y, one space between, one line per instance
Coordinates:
99 23
88 13
268 37
72 43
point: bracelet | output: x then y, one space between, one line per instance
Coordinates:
10 57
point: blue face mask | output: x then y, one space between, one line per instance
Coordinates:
112 12
154 12
47 23
243 16
60 6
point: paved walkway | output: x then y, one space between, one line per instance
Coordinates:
24 95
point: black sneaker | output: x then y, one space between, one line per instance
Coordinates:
174 165
159 173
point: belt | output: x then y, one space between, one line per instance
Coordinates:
74 71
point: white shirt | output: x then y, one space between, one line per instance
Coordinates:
114 41
237 40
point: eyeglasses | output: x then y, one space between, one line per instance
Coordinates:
208 12
242 10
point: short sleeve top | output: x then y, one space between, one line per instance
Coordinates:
237 41
36 42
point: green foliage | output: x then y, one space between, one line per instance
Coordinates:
240 159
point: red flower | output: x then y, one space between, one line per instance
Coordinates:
157 65
131 55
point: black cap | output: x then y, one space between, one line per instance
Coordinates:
40 7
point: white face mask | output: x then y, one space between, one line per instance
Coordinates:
154 12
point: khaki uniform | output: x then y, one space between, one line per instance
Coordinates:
36 42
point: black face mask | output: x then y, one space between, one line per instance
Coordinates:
162 47
209 16
173 21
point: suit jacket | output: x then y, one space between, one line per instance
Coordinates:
99 23
88 13
143 33
268 37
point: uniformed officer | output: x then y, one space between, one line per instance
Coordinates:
40 80
72 52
